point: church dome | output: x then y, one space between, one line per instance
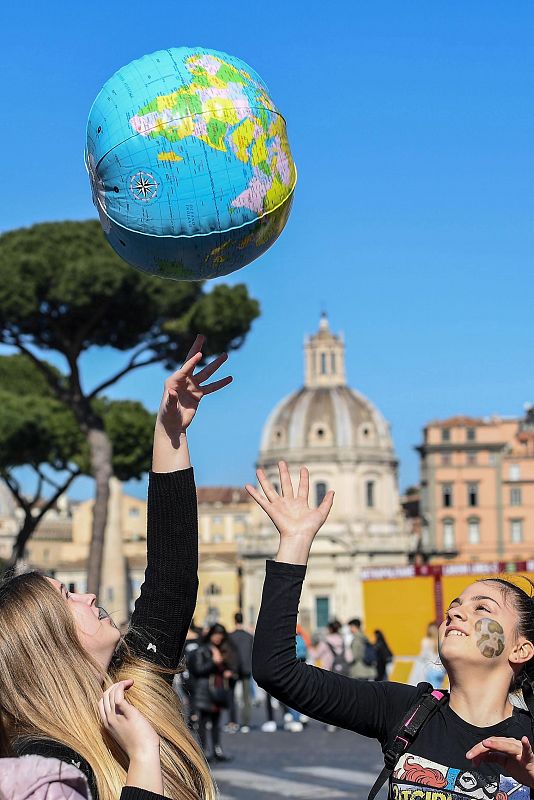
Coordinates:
326 414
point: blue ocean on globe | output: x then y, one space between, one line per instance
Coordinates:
190 164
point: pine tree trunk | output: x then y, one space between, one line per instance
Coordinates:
101 469
17 553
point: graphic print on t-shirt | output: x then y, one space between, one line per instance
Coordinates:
416 778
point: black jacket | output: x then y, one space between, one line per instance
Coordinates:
163 611
208 675
242 641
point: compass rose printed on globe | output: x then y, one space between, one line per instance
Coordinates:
189 163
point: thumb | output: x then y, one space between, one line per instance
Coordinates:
326 505
127 683
527 754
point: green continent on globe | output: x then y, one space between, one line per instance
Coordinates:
228 110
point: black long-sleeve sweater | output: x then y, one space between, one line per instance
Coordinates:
435 766
167 601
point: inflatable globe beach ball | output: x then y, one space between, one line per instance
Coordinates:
189 163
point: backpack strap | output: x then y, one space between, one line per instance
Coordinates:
417 716
333 649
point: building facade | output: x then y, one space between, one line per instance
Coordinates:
60 545
326 425
346 444
477 488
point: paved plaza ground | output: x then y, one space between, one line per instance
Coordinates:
312 765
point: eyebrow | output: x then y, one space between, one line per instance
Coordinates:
476 597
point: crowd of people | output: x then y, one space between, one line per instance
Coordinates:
94 713
218 691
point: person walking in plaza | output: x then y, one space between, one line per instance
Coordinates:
427 666
475 742
242 641
383 654
71 687
362 664
213 665
333 654
185 680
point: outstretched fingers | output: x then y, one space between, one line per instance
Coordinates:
188 366
268 489
304 484
209 388
207 371
326 505
185 370
285 480
258 497
497 748
197 346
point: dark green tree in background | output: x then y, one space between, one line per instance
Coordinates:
64 290
41 433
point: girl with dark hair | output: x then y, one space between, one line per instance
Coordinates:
214 665
71 687
479 737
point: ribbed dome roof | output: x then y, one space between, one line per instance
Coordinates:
325 413
336 417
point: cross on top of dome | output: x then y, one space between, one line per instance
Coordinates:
324 358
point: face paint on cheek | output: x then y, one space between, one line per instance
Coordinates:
490 637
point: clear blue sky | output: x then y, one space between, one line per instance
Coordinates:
412 126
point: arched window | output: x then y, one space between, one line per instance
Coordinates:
449 538
370 494
320 492
473 530
323 363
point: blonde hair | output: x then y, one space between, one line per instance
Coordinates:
50 688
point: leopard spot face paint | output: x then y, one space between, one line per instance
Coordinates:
489 637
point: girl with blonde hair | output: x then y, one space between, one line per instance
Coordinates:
71 687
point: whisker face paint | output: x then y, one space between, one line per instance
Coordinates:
490 637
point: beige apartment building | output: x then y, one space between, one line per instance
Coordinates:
225 519
61 545
477 488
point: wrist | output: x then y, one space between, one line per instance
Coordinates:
170 451
145 754
161 427
144 770
295 550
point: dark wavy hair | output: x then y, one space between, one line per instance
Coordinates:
523 602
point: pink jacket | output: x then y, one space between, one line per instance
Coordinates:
37 778
326 656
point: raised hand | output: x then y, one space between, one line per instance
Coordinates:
132 732
135 736
296 522
184 390
515 757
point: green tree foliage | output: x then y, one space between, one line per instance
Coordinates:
63 289
40 432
